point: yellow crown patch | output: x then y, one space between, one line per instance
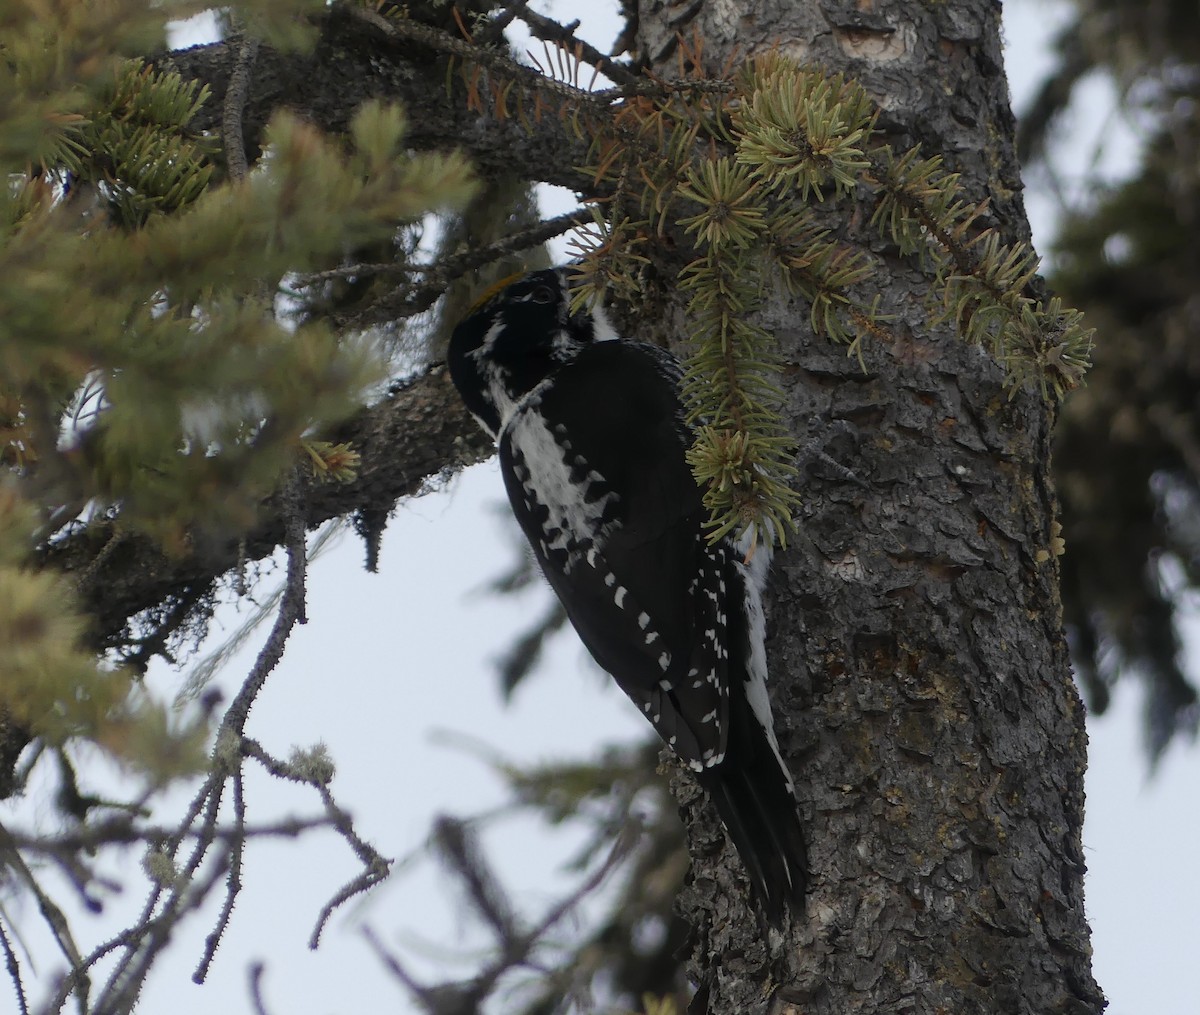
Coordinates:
492 291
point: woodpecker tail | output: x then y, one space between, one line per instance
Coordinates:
752 793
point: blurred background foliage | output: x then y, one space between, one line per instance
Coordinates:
1128 447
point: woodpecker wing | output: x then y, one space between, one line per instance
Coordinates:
595 471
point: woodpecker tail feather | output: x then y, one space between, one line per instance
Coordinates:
752 794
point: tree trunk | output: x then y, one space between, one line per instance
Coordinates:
922 687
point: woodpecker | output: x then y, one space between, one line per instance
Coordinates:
592 435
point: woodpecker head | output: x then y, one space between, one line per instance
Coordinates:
516 337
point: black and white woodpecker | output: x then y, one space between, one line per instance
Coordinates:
591 436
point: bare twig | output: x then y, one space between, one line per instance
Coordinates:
255 975
291 608
629 83
391 963
443 42
60 929
514 949
493 31
460 850
412 298
14 971
446 271
145 939
549 30
233 883
375 866
120 994
127 832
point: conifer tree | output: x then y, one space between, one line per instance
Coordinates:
1127 469
818 205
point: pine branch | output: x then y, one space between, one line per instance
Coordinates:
417 432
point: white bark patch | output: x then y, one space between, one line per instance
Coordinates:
848 569
874 45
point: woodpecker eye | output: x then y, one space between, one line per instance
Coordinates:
542 294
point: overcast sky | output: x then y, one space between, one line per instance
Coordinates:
391 665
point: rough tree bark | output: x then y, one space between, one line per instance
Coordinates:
922 685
